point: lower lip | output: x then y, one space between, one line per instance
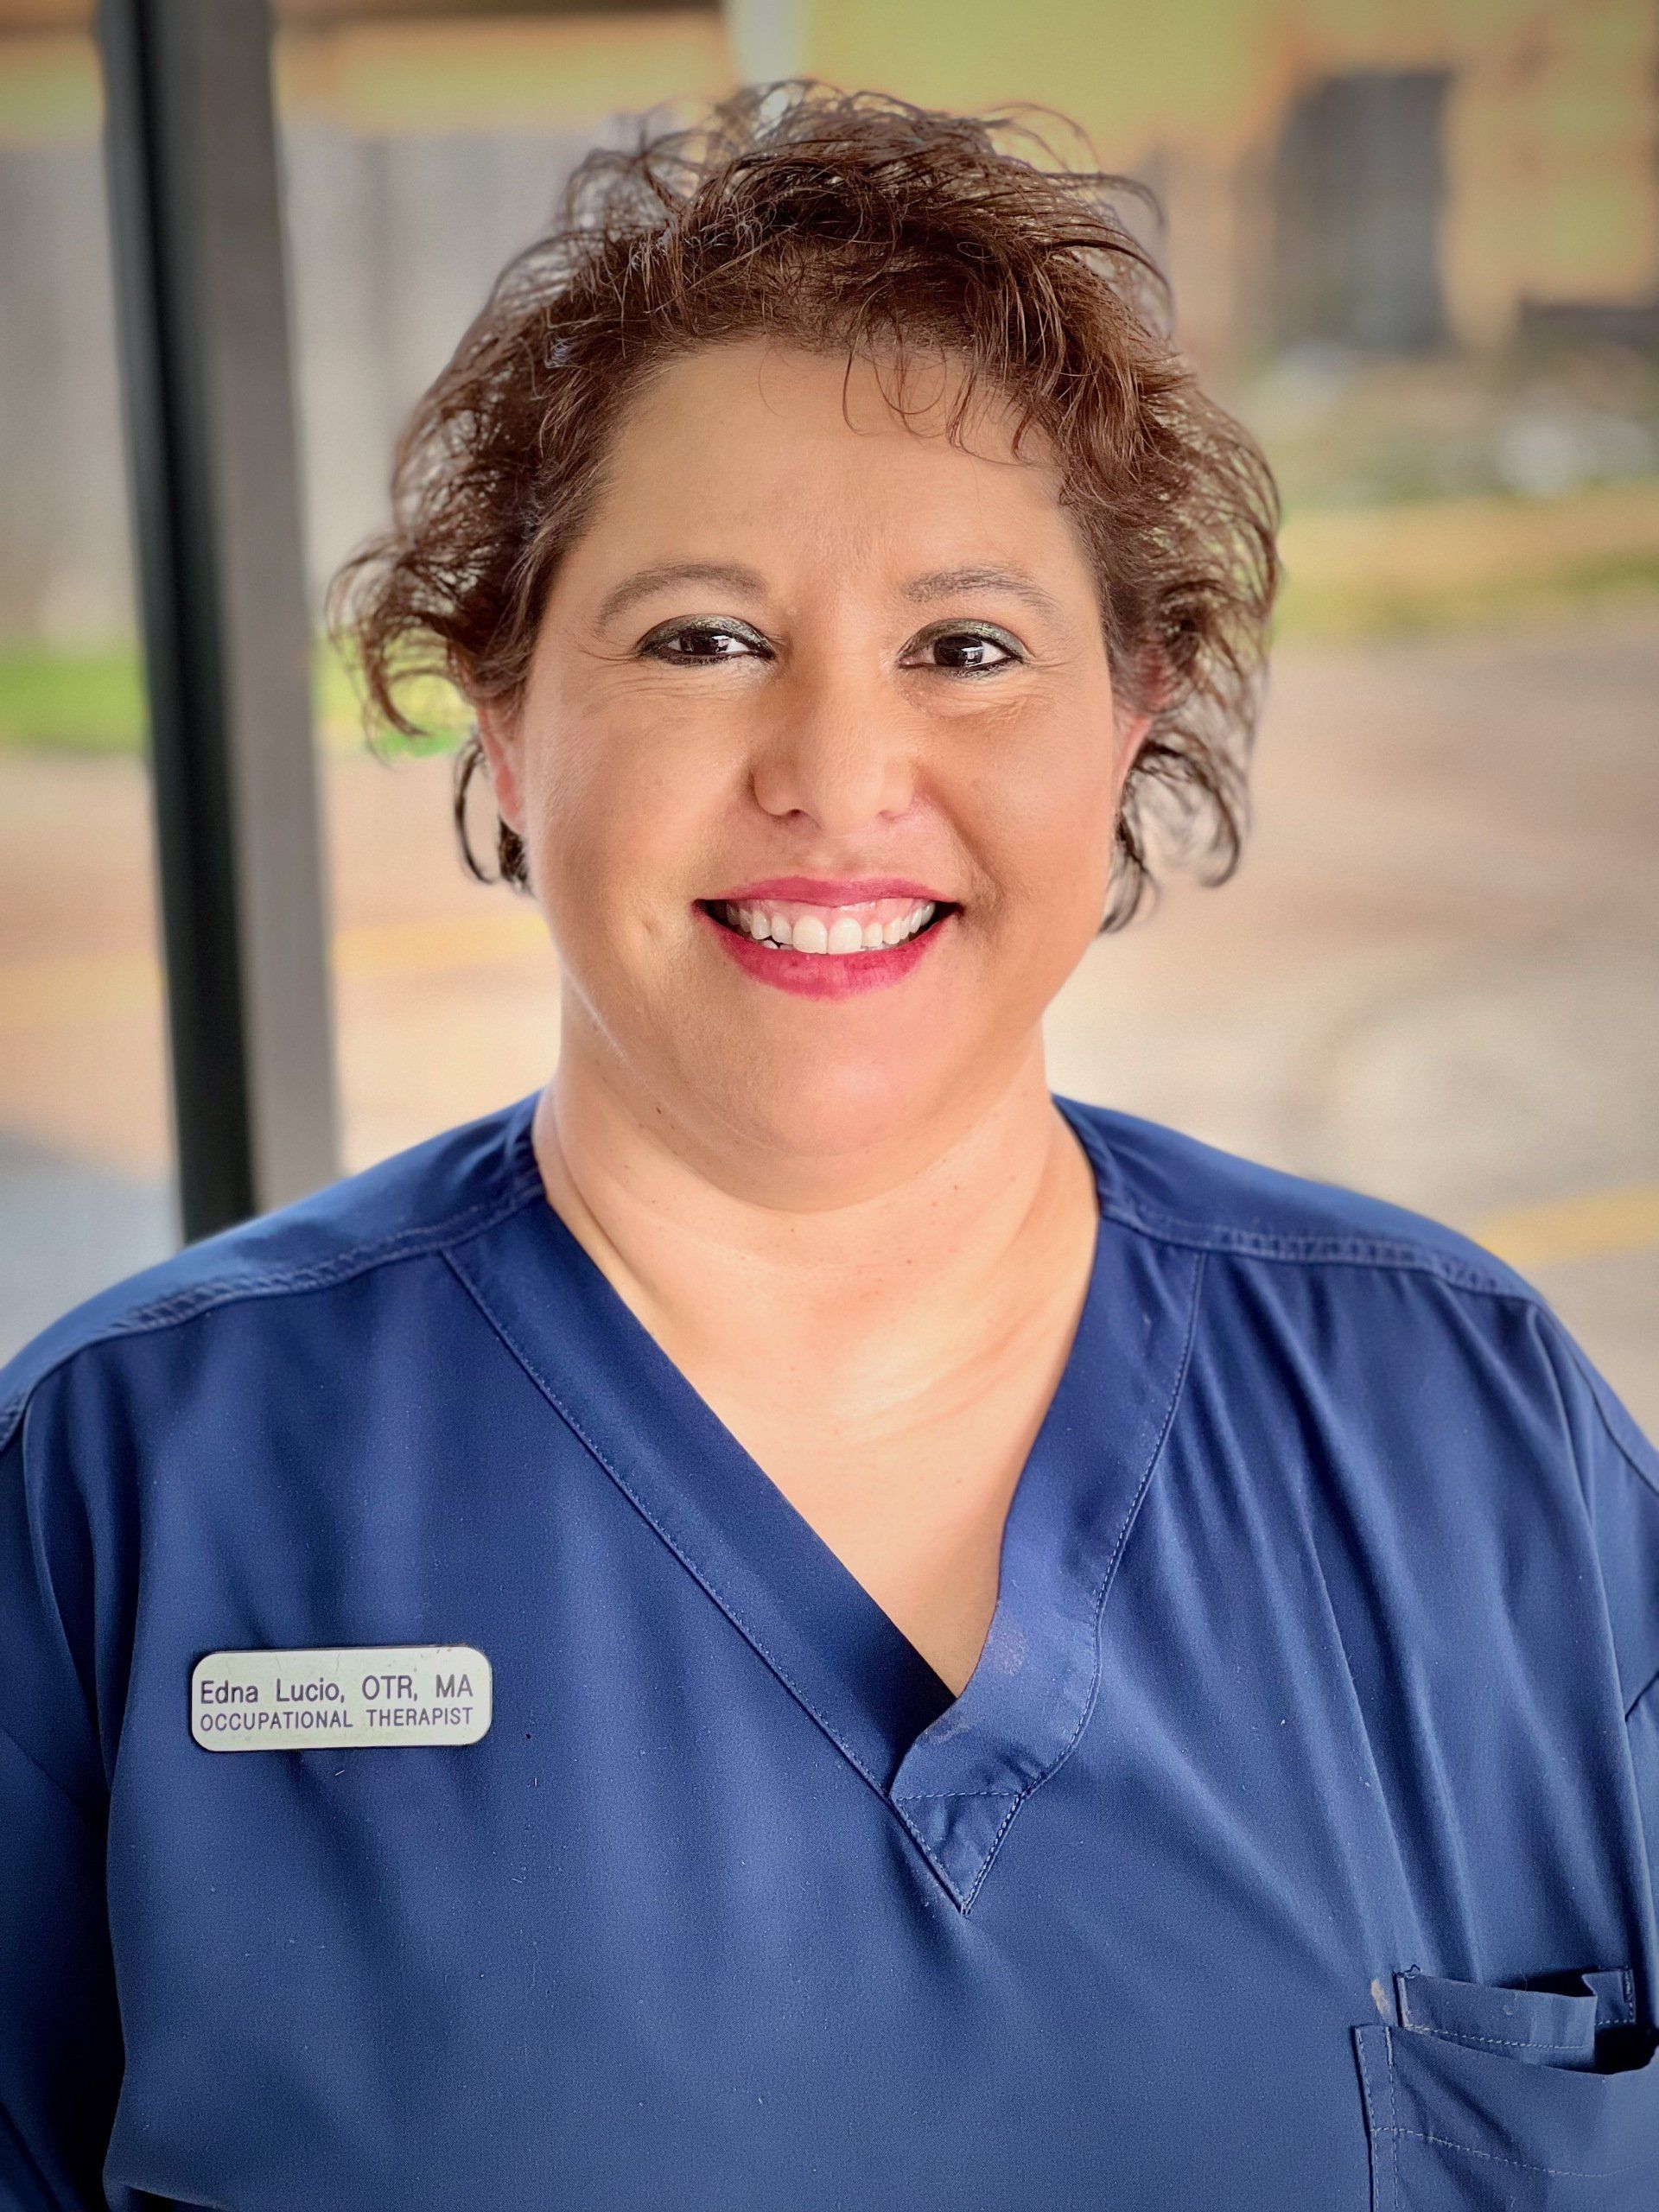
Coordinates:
824 975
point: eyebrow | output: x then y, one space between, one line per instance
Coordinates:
644 582
947 584
937 583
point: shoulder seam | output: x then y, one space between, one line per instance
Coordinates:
1612 1436
1590 1379
1563 1344
273 1283
1337 1251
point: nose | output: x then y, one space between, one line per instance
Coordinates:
836 748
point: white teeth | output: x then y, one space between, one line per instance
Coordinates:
811 933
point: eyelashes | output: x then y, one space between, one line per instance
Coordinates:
706 640
958 648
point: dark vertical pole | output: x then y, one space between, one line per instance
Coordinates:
191 159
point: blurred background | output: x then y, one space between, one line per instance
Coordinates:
1414 246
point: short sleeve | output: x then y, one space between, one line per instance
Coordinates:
1618 1469
60 2035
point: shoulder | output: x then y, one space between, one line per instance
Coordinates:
1397 1328
1180 1190
433 1194
1400 1305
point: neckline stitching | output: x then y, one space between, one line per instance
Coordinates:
1154 1459
572 1421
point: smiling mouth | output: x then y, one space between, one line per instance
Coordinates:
836 932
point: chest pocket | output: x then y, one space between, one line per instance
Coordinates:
1529 2099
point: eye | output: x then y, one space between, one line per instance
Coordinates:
702 643
963 649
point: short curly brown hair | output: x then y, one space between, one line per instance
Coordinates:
839 221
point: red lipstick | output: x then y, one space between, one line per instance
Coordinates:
826 974
829 890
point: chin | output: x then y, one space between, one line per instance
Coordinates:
829 1110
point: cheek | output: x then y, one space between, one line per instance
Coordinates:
615 806
1046 820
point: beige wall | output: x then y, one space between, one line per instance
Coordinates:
1552 125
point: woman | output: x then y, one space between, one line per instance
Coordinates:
811 1625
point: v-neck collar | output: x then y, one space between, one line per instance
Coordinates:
954 1769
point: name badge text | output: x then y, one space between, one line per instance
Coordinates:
362 1696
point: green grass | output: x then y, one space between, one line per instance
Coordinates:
73 701
1487 562
92 701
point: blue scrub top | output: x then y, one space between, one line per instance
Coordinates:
1293 1844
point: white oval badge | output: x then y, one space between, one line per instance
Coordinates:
366 1696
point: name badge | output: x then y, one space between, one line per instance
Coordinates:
368 1696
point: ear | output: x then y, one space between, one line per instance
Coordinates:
1132 728
500 731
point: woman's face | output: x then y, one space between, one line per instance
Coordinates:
813 674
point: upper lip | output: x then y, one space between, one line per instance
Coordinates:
829 890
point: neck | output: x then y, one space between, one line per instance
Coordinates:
913 1255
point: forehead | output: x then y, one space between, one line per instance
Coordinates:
798 451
